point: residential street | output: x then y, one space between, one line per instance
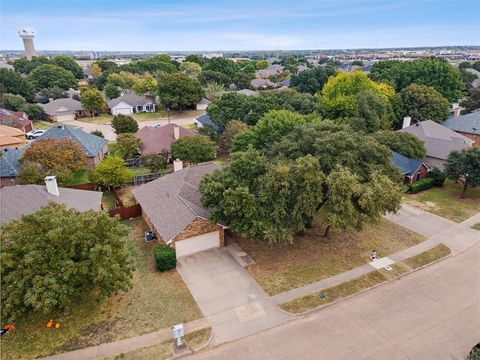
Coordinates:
107 129
433 314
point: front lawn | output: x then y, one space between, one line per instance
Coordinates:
111 147
141 170
313 257
99 119
311 301
80 177
446 201
156 300
42 125
150 116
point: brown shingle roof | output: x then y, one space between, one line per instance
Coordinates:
173 201
159 140
19 200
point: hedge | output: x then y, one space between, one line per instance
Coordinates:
420 185
165 258
438 175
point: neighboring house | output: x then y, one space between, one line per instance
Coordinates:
172 208
158 139
301 68
16 119
468 125
11 137
95 147
247 92
128 104
262 84
19 200
411 169
439 141
206 121
9 166
66 109
271 70
202 105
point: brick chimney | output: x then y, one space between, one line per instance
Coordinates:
52 187
177 165
176 132
406 122
457 112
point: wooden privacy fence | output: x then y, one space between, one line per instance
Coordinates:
126 212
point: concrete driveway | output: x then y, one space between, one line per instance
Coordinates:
234 304
432 314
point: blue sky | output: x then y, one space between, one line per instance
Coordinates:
239 25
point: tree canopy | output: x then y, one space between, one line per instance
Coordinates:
434 72
127 145
70 255
464 166
92 100
194 149
49 75
312 80
68 63
124 124
13 83
401 142
472 101
177 91
222 65
424 103
111 172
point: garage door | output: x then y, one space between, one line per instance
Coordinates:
197 243
65 117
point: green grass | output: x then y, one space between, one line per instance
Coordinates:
80 177
141 170
447 202
42 125
313 257
427 257
366 281
100 119
111 147
126 196
156 301
150 116
108 201
162 351
476 226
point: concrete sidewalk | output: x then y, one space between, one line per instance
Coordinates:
126 345
457 236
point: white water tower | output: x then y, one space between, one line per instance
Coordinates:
27 34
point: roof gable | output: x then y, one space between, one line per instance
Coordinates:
467 123
158 140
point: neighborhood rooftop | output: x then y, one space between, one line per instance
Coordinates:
468 123
439 141
130 99
173 201
19 200
91 144
406 165
158 140
62 105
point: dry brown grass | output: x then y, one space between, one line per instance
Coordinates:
313 257
126 196
157 300
366 281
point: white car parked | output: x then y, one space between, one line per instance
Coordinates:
34 134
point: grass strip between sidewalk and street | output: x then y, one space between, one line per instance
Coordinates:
366 281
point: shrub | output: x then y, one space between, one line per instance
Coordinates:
124 124
97 133
421 185
438 175
165 258
155 162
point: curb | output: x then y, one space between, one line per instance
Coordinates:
399 277
199 348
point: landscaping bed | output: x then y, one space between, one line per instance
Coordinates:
156 300
447 202
313 257
366 281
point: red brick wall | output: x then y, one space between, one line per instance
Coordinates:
422 170
7 181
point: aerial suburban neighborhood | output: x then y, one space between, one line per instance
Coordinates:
201 186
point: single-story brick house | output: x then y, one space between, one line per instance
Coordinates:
16 119
172 208
128 104
19 200
439 141
159 139
411 169
66 109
